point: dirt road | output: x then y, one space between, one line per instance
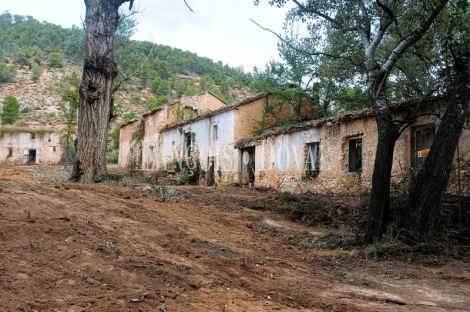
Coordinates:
71 247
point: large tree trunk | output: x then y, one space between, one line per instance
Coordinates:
102 19
420 219
387 135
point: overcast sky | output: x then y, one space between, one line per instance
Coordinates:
219 29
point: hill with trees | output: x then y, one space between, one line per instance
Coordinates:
27 41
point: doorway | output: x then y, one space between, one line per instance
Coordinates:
210 171
248 166
31 157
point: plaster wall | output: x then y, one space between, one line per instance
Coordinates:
207 100
46 145
281 159
125 144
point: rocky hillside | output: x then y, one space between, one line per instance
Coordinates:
40 104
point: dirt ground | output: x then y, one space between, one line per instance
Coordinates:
71 247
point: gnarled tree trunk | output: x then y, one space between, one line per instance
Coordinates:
99 71
420 219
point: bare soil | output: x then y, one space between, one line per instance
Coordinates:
72 247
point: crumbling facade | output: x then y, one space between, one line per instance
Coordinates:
140 142
29 147
328 156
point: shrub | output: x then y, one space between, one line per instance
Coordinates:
26 110
55 60
10 111
153 102
36 72
7 72
112 158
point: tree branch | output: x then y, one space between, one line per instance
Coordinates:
188 6
126 78
318 13
413 37
294 48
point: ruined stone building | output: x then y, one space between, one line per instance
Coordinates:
29 146
139 137
330 155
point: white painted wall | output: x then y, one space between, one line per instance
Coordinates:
22 142
222 149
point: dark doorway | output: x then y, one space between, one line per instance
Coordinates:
248 166
210 171
32 157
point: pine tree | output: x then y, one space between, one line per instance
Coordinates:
10 110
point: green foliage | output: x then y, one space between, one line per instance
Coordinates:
352 98
26 110
153 102
287 197
68 89
133 100
205 83
7 72
115 133
36 72
192 171
139 132
129 116
10 110
23 37
112 158
225 91
55 60
20 59
191 89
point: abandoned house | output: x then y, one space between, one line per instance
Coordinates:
329 155
336 154
29 146
131 141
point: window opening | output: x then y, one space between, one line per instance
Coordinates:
215 132
313 160
189 140
355 155
422 141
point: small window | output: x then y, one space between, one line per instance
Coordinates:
189 144
10 152
312 160
215 132
355 155
53 149
32 135
422 139
312 156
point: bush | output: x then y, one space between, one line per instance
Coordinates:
129 116
112 158
36 72
55 60
26 110
153 102
7 72
133 100
10 111
115 135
